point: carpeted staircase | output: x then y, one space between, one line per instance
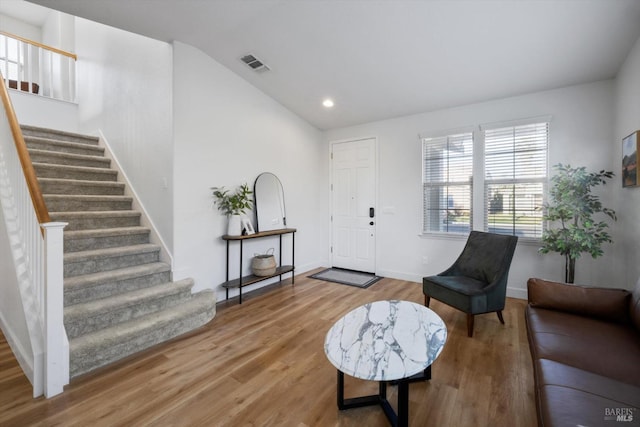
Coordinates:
119 298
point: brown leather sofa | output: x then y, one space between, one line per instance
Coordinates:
585 346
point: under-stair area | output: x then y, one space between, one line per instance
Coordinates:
119 297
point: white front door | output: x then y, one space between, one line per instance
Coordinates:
353 196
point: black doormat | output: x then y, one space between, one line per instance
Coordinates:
347 277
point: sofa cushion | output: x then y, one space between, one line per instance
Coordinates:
606 304
568 396
463 293
552 373
567 407
603 348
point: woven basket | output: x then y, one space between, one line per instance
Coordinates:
264 265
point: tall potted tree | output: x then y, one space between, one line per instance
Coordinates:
571 210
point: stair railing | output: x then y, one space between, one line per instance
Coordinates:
36 68
35 245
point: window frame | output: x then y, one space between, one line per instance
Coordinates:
463 134
479 212
541 180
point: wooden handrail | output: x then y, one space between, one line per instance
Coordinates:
42 213
40 45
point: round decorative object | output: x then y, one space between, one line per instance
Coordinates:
264 265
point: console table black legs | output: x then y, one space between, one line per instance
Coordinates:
242 281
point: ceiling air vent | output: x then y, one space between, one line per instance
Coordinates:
254 63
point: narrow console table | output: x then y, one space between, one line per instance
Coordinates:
251 279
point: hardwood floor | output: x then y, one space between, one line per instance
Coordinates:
262 364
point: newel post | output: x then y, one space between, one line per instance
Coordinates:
56 346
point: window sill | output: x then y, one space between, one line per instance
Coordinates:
444 236
525 241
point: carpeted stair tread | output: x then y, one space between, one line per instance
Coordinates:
104 232
49 170
80 187
73 202
87 287
84 220
82 240
90 316
104 305
110 252
90 351
28 130
48 144
70 283
87 197
70 159
93 261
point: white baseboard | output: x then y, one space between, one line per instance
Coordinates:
24 358
517 293
302 269
398 275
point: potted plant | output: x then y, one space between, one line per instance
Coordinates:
571 208
234 205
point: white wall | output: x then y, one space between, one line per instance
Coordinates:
20 28
59 31
226 132
12 316
36 110
580 134
124 89
627 236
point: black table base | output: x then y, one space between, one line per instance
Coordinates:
401 419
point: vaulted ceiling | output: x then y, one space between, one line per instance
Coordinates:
379 59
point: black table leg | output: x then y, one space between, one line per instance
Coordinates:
293 257
227 274
240 285
340 390
355 402
420 376
401 419
403 404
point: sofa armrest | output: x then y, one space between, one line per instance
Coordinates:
603 303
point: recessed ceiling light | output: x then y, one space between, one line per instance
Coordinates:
328 103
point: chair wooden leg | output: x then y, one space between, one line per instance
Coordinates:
427 300
469 325
499 313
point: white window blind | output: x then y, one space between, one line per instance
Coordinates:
515 179
447 183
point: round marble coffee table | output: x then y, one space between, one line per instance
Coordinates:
385 341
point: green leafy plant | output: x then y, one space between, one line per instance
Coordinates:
236 203
572 207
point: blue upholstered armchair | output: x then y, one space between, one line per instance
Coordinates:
477 282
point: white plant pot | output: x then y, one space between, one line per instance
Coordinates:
234 228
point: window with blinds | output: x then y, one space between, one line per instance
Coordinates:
447 179
515 179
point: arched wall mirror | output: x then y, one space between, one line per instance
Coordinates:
269 202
